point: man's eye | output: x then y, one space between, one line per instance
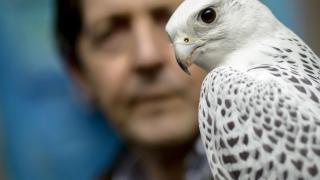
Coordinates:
111 35
161 15
101 37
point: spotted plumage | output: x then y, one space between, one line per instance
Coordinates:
259 110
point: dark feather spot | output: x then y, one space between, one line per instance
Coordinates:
293 114
289 148
208 138
301 89
309 71
259 174
229 159
272 139
277 49
223 112
279 133
298 164
219 101
304 139
273 69
233 141
290 139
235 91
265 110
306 128
222 144
285 175
270 165
314 97
294 79
267 148
227 103
304 61
316 151
244 117
257 131
244 155
304 117
304 152
235 174
302 55
221 173
267 120
257 155
207 100
249 170
209 120
278 123
282 158
290 128
277 75
231 125
313 170
258 114
266 127
245 139
308 67
215 129
209 130
315 66
288 50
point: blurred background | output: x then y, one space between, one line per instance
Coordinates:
46 131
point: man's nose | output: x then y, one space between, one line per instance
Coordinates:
148 50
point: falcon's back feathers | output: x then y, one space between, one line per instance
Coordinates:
259 112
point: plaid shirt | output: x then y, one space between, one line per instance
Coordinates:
196 163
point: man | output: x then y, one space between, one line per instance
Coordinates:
119 53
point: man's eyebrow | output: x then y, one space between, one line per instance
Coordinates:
161 11
109 20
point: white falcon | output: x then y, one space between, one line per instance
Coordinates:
259 112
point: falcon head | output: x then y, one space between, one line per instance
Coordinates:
205 32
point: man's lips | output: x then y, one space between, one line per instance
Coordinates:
151 95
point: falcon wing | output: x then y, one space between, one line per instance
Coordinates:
250 126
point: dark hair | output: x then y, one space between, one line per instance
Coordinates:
68 24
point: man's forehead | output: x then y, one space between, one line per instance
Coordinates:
94 10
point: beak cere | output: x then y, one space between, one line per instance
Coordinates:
183 66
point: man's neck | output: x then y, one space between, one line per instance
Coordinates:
166 162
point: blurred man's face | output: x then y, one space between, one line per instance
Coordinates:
130 69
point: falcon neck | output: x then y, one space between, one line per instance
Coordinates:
267 50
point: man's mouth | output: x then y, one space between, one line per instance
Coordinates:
153 94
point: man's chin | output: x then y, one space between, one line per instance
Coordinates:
163 130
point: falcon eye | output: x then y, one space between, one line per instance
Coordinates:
208 15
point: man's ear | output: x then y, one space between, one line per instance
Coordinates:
81 82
